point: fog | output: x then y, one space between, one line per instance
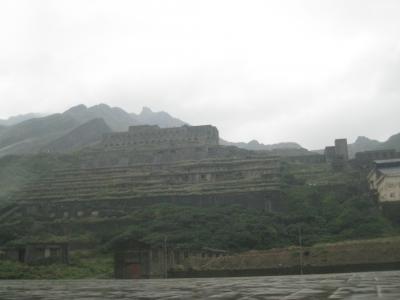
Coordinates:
304 71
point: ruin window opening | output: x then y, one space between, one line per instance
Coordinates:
21 255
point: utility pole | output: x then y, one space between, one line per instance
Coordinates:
165 258
301 251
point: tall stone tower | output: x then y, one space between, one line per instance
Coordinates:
341 149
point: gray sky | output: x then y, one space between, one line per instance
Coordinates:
305 71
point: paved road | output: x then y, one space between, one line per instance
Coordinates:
374 285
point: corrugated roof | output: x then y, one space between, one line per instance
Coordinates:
390 171
387 161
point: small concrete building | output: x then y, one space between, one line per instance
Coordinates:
37 253
385 179
137 260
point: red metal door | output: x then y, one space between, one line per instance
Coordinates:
134 270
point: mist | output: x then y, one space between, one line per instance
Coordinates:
275 71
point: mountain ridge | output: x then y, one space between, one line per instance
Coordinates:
74 128
13 120
48 133
161 118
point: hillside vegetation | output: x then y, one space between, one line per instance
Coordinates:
326 205
18 171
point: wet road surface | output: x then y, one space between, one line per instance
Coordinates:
372 285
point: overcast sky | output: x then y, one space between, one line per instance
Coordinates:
305 71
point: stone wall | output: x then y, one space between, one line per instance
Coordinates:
152 136
149 165
98 158
262 200
158 262
112 192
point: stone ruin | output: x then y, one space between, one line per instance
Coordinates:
149 165
338 155
339 152
152 136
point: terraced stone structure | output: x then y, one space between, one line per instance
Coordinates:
146 136
122 174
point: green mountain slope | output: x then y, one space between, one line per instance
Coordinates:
29 136
20 118
392 143
73 129
80 137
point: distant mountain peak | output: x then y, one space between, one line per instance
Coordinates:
253 143
146 110
362 139
100 106
160 118
76 109
116 118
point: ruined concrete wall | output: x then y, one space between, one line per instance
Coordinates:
147 136
107 192
130 157
262 200
113 183
364 255
357 252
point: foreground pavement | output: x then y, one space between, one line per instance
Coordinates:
372 285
